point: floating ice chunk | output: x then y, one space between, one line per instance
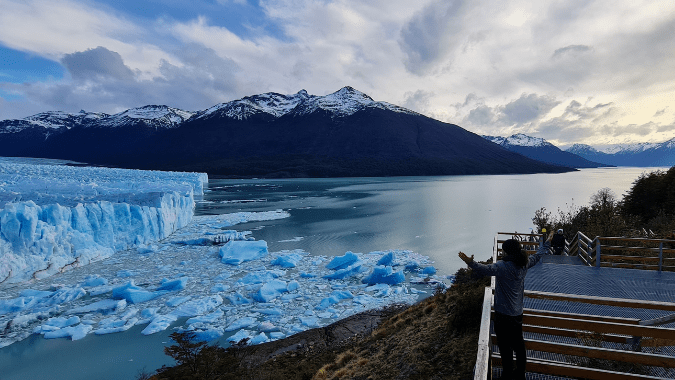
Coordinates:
267 327
115 325
309 321
364 299
208 318
74 332
236 252
271 290
260 338
344 261
35 293
345 272
174 285
258 277
239 336
217 288
125 273
159 323
56 323
268 311
102 306
100 290
92 281
135 294
288 260
198 307
237 298
387 259
307 275
208 334
430 270
384 275
326 302
275 335
175 301
241 323
412 265
293 285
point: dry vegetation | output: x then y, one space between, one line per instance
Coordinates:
433 339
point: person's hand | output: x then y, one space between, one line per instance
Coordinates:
465 258
550 236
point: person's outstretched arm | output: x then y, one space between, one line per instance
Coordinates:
543 250
482 269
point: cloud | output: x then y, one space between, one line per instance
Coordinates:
102 82
93 63
660 112
527 108
432 35
418 101
571 50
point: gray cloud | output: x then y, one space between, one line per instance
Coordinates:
102 82
99 62
431 35
528 108
571 50
481 115
417 101
660 112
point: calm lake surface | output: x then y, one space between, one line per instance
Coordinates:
434 216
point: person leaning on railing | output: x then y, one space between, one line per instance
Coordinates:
510 285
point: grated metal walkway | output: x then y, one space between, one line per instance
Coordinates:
549 276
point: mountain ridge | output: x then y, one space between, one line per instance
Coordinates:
542 150
345 133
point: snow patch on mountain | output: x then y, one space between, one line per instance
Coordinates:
519 139
269 103
155 116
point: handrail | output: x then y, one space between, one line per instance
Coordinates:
483 369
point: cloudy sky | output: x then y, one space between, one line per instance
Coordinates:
595 72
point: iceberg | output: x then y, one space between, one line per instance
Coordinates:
384 275
342 262
236 252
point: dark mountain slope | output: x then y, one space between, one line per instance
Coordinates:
341 134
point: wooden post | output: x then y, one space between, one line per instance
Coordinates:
660 256
597 252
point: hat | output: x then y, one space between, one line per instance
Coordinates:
560 230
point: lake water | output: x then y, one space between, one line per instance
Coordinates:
434 216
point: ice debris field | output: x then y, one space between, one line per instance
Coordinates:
96 251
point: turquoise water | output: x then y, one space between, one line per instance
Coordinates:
434 216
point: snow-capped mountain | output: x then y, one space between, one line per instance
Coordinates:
344 102
542 150
149 116
641 154
345 133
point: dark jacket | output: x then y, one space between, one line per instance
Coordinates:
510 281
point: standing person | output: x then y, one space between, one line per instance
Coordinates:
510 285
558 242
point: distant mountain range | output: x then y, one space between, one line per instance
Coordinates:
645 154
346 133
542 150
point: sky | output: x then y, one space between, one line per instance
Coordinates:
593 72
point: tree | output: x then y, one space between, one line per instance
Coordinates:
186 350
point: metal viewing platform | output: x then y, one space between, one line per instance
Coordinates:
604 309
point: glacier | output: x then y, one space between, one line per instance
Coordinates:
56 217
151 262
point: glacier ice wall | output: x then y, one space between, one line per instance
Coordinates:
54 218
